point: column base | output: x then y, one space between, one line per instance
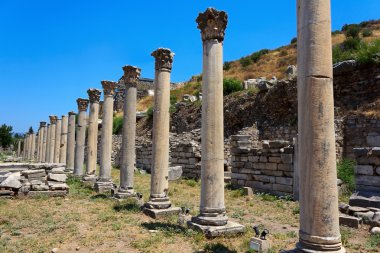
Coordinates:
230 228
89 180
158 213
318 248
158 203
103 186
122 193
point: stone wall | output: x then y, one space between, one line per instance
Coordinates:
367 170
267 169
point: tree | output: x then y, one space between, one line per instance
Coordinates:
5 135
31 130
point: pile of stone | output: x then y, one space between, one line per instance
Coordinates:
355 216
40 180
267 169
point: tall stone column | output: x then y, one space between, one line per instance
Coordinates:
128 149
18 148
212 218
41 140
33 147
159 203
30 144
104 182
70 143
44 140
63 146
57 143
26 146
47 157
92 138
80 137
319 215
38 144
53 122
23 148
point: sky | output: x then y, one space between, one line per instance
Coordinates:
52 51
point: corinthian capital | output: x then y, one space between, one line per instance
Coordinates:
94 95
42 124
131 75
82 104
109 87
53 119
164 59
212 24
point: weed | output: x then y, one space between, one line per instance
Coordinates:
191 182
345 170
129 206
373 242
217 248
296 210
345 234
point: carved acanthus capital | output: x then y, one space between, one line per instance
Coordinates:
109 87
164 59
42 124
82 104
212 24
94 95
53 119
72 113
131 75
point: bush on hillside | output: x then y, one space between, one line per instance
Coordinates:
367 33
149 112
294 40
226 65
255 57
231 85
352 30
245 61
351 44
117 125
365 53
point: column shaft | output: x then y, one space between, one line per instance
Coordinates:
80 144
38 145
63 147
44 140
52 142
70 143
19 148
57 144
92 139
106 139
48 136
33 147
319 216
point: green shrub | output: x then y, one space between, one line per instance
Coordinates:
345 170
226 65
231 85
149 112
283 53
369 53
352 30
351 44
173 101
117 125
294 40
367 33
255 57
245 61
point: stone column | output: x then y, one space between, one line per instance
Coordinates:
80 137
44 143
26 147
57 143
63 146
128 149
30 143
104 182
53 122
212 217
38 144
47 157
33 147
70 143
318 195
18 148
92 138
159 203
41 140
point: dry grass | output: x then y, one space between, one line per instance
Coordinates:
144 103
91 223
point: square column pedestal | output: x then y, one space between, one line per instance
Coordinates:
231 228
104 186
160 207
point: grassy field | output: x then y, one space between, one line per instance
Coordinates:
86 222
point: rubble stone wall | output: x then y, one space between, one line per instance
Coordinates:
268 169
367 169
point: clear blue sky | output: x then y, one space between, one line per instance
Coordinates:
52 51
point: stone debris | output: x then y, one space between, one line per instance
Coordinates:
350 221
375 231
175 173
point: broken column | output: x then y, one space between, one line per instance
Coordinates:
70 143
18 148
63 147
212 218
80 137
318 194
128 150
44 144
53 122
57 143
92 137
159 203
104 182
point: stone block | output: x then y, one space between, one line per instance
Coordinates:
367 180
361 151
11 182
276 173
278 144
253 158
350 221
193 160
244 158
57 177
240 176
364 170
284 180
285 167
365 199
239 137
274 159
258 245
262 178
260 185
33 194
241 182
378 170
287 158
159 213
175 173
230 228
282 188
375 151
41 187
271 166
247 191
263 159
237 164
373 139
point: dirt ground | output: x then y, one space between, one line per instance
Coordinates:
86 222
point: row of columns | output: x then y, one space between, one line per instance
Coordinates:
319 219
